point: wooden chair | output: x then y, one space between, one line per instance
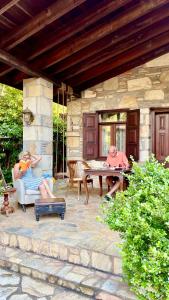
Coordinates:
76 170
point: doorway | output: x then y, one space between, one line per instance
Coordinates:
160 134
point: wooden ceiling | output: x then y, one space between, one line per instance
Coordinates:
79 42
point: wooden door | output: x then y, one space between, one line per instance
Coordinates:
90 135
161 136
132 134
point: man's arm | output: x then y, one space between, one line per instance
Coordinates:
107 163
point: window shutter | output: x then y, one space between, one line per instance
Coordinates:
90 135
132 134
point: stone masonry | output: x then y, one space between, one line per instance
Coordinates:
140 88
38 137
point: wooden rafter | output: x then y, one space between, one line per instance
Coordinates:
127 56
65 32
5 21
78 43
20 65
24 10
135 27
89 17
53 12
112 51
7 4
122 68
114 42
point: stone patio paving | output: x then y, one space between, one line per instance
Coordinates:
82 252
79 228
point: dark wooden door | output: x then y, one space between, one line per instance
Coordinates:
161 136
90 135
132 134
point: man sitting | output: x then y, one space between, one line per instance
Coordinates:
115 159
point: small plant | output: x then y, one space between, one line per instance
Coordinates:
141 215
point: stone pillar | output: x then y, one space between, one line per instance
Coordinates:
38 137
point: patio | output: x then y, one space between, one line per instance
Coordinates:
80 251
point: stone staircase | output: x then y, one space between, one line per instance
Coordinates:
77 267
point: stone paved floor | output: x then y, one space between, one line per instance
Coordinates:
79 228
14 286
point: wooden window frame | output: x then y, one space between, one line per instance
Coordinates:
98 112
91 143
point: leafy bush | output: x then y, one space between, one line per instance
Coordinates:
141 214
10 128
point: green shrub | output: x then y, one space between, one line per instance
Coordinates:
141 215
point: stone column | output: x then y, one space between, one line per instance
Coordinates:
38 137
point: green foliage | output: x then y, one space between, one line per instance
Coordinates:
141 214
10 128
1 188
59 137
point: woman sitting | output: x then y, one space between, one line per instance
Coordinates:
23 170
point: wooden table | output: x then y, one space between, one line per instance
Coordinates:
103 172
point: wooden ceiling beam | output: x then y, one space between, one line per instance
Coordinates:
53 12
24 10
108 65
6 22
7 4
41 45
20 65
122 68
110 52
100 44
89 37
110 40
65 31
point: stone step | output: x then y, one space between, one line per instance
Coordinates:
85 252
95 284
15 286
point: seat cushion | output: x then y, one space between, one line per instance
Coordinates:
32 192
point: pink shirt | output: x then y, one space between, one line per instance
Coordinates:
120 160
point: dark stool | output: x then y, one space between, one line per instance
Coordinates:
50 206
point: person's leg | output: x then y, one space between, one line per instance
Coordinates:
115 184
48 189
109 181
43 191
114 188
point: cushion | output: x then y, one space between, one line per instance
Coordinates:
32 192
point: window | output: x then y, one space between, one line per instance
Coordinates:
112 131
105 128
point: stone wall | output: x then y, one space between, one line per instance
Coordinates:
38 137
140 88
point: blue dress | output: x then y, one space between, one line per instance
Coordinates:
31 182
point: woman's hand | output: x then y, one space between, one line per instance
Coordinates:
35 159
